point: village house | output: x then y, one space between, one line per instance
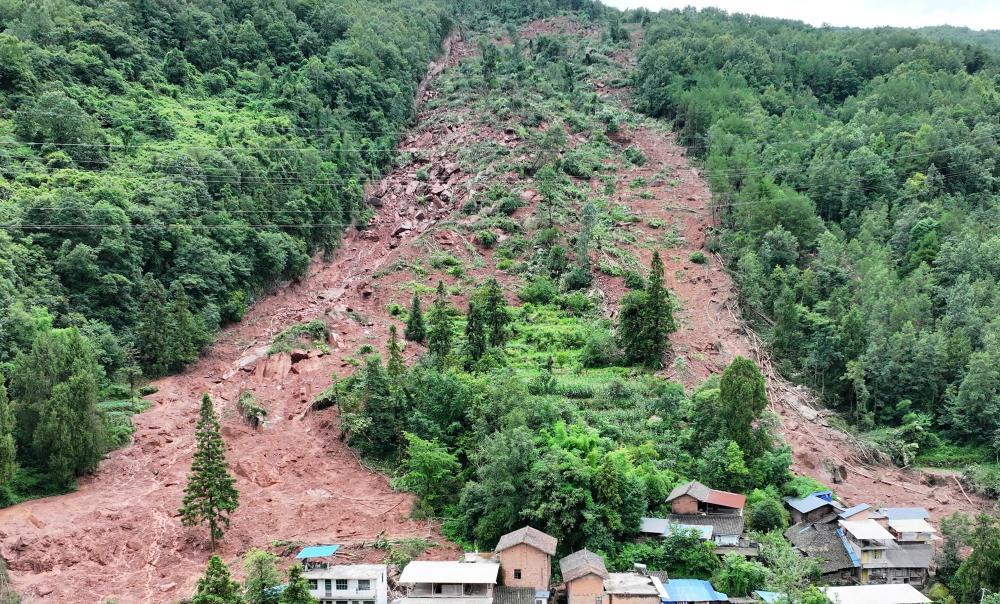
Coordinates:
882 559
716 516
333 583
583 573
637 587
875 594
695 498
812 507
862 511
525 557
429 582
823 541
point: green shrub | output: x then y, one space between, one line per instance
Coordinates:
251 409
512 248
541 290
442 260
299 335
634 280
486 238
576 303
509 205
634 156
698 257
599 350
984 479
578 278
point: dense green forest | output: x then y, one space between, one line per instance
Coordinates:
162 164
857 185
989 39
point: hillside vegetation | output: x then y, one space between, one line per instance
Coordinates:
857 186
162 164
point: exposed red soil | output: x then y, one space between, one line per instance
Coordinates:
118 535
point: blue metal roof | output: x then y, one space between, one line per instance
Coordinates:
806 504
691 590
850 550
851 511
768 596
905 513
317 551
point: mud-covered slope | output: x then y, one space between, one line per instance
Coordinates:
119 536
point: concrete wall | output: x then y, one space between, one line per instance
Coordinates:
585 590
685 504
630 599
534 564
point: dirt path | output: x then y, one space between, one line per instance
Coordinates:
118 535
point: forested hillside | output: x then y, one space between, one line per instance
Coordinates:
857 187
162 164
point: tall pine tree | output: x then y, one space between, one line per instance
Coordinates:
416 330
476 342
396 366
645 319
186 335
153 336
658 316
217 586
495 314
7 450
439 332
210 495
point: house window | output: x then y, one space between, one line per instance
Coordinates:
438 588
328 584
517 573
369 602
313 584
364 584
341 601
341 584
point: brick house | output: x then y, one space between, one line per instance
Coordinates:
525 557
584 573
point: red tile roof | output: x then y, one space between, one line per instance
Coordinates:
726 499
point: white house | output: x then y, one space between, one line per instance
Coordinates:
348 583
899 593
431 582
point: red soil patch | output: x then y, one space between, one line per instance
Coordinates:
118 535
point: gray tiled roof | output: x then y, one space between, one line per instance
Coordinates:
722 524
820 541
910 556
693 488
582 563
532 536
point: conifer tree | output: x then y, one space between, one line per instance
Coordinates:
297 591
261 575
210 495
381 409
645 319
186 333
216 586
396 366
475 332
153 332
7 450
416 331
658 319
439 332
495 314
